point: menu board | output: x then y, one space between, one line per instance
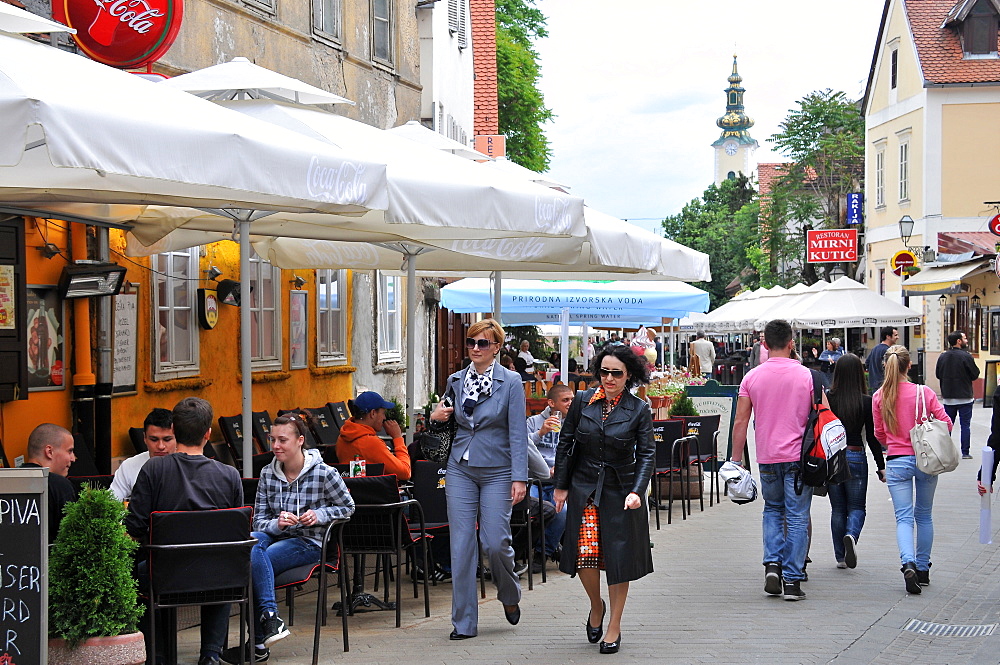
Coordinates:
23 567
126 339
8 311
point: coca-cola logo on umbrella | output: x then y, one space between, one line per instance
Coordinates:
122 33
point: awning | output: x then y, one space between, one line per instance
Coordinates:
934 280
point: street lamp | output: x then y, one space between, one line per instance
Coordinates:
942 300
837 272
906 229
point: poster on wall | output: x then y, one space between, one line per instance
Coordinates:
8 313
297 324
126 342
46 340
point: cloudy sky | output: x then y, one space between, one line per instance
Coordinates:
638 84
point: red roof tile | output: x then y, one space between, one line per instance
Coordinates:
960 242
939 49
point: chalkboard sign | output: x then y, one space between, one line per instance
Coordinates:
24 572
126 330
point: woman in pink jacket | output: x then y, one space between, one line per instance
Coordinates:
894 408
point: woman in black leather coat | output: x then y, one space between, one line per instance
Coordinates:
605 459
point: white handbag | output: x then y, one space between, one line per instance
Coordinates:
740 485
933 447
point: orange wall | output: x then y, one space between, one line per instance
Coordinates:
219 381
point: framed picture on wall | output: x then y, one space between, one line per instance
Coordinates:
298 320
46 338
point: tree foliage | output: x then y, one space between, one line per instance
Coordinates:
522 110
824 138
723 224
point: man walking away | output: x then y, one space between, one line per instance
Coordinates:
705 351
779 393
876 358
956 370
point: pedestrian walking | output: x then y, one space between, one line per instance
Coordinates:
850 402
779 394
487 475
755 353
894 409
956 370
889 336
704 350
830 355
604 462
994 443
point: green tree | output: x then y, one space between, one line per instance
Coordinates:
824 138
723 224
522 110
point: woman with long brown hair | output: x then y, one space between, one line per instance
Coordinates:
894 408
849 401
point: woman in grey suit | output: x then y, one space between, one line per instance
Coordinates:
487 474
604 461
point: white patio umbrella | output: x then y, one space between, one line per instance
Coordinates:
846 303
507 166
415 131
14 19
76 131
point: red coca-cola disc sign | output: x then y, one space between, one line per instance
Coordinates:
122 33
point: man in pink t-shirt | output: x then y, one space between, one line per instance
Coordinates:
779 393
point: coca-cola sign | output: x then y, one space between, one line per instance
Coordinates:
122 33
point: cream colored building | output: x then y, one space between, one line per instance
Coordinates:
932 153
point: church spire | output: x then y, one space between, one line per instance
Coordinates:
735 122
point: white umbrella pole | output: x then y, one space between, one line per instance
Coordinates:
586 347
564 345
497 294
245 370
411 339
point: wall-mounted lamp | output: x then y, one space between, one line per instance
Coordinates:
837 272
49 250
213 272
86 280
942 300
925 253
229 292
298 281
976 300
906 229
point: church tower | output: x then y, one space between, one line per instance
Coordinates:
735 148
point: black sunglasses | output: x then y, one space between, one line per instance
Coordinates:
617 373
481 343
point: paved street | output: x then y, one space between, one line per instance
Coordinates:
705 602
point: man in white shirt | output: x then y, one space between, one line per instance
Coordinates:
158 433
705 351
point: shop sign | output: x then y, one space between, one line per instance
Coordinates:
122 33
855 206
208 308
994 225
832 246
902 260
492 145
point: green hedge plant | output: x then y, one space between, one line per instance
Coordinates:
683 406
92 592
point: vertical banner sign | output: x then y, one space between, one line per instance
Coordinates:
832 246
492 145
24 572
126 342
855 208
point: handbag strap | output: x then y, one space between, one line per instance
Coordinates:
918 404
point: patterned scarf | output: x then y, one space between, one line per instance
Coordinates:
475 385
608 405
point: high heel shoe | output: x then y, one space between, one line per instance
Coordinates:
594 634
611 647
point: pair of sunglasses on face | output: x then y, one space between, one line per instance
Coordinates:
616 373
481 343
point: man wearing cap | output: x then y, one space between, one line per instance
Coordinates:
359 436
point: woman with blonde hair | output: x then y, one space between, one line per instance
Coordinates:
894 410
487 474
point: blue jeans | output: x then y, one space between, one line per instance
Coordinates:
965 411
847 502
555 525
271 556
904 480
786 519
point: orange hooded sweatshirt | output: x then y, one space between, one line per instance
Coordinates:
357 439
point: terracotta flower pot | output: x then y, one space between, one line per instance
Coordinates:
120 650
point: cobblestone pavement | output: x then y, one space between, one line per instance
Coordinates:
705 603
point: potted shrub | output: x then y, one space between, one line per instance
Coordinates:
398 413
682 406
93 599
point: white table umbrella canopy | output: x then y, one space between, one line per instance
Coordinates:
847 303
76 131
14 19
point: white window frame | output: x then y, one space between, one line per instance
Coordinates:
171 368
321 10
880 178
390 26
389 318
904 170
267 6
259 360
325 358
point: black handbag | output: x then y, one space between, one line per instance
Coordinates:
435 443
